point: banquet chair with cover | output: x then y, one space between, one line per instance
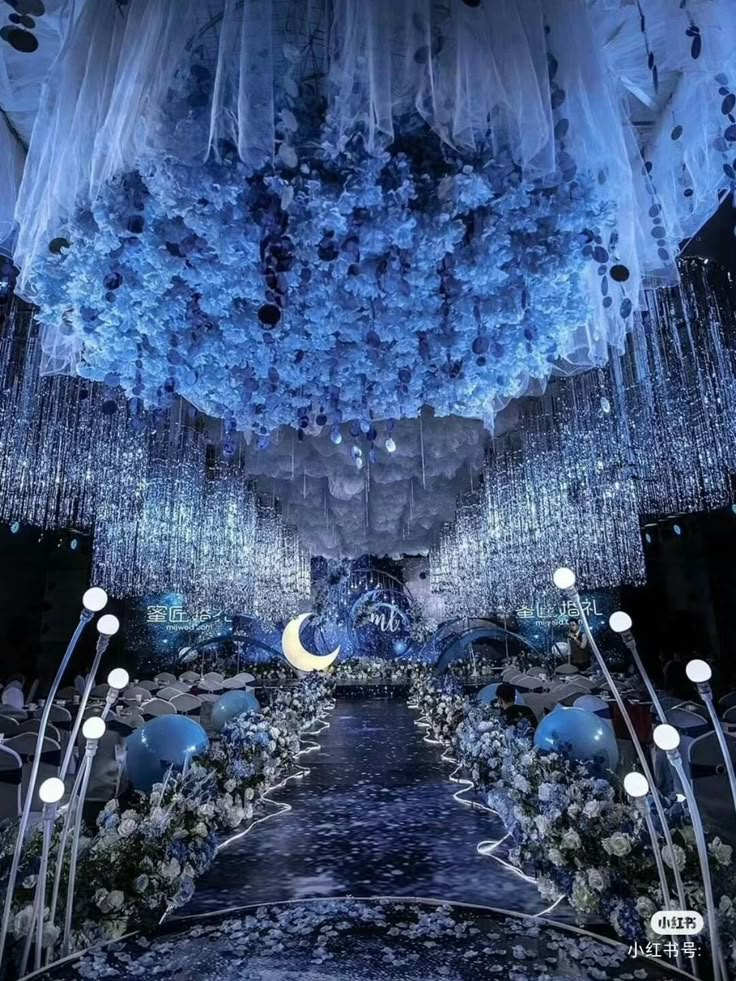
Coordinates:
11 776
24 744
67 694
156 707
9 712
537 702
186 704
164 678
729 716
108 764
61 719
565 694
602 709
9 726
237 683
100 691
529 684
33 725
169 692
695 708
711 786
134 693
178 686
727 701
13 697
151 686
583 683
189 677
690 726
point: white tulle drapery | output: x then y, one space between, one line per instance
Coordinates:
626 99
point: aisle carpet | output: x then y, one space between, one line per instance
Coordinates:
374 817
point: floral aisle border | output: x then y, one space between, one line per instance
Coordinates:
141 861
577 830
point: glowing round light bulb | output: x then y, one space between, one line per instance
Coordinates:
636 784
698 671
118 678
94 728
564 578
666 737
619 622
108 625
51 791
95 599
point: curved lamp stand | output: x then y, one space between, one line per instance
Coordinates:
564 579
51 792
92 604
107 627
669 741
637 787
117 677
700 674
86 769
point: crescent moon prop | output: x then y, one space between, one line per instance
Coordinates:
296 655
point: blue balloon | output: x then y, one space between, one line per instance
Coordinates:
230 705
169 740
488 694
578 735
400 646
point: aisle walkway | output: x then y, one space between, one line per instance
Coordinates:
375 816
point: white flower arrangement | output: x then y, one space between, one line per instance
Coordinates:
577 833
144 858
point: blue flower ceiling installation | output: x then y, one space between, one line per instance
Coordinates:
351 288
361 210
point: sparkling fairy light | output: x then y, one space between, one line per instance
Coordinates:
652 433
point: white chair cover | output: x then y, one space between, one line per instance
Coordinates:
696 708
11 775
134 693
9 712
12 696
68 694
187 704
729 716
727 701
24 745
169 692
189 677
180 686
214 677
108 763
165 678
33 725
155 707
152 686
8 726
710 783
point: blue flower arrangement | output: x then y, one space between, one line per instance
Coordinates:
331 285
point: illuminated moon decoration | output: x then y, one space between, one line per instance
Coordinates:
296 655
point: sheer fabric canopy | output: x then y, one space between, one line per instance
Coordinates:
632 100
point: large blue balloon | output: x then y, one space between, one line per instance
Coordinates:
230 705
169 740
488 694
578 735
